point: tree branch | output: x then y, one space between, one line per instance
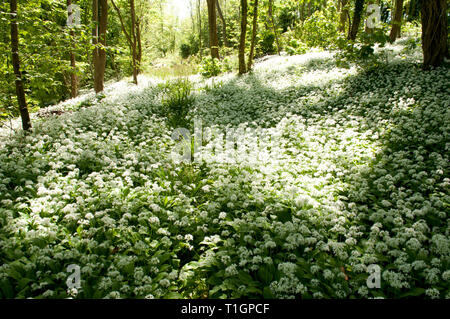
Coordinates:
127 35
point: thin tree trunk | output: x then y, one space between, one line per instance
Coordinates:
224 26
73 75
199 27
191 7
20 91
397 21
254 29
241 56
212 22
357 13
95 58
343 15
367 29
103 24
273 26
133 39
100 19
139 45
134 42
302 11
161 11
434 32
88 42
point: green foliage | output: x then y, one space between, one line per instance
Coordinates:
287 17
295 46
319 30
45 46
362 51
266 44
363 55
190 47
411 45
210 67
173 70
44 58
177 100
185 50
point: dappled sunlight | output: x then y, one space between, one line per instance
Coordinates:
296 172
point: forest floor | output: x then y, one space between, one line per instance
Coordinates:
326 174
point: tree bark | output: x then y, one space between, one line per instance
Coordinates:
134 42
212 21
366 27
396 21
224 26
302 11
434 32
73 75
20 91
254 29
241 55
343 15
100 19
357 13
139 45
199 28
273 26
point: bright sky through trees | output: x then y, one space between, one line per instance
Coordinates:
179 8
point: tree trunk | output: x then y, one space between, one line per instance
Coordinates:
273 26
161 11
434 32
100 19
213 40
95 56
367 29
254 29
134 42
242 68
73 75
20 91
343 15
199 28
302 11
224 26
357 13
396 21
139 45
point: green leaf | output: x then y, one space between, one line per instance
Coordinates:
164 257
267 293
265 274
23 282
173 295
245 278
79 229
7 289
413 292
285 215
214 280
14 274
